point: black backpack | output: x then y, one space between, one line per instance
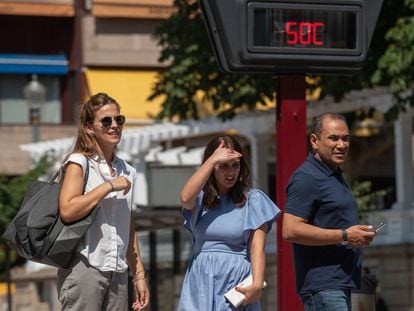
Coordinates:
37 232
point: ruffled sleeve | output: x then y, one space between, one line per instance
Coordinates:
260 210
191 216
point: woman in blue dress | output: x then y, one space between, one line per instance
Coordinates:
229 222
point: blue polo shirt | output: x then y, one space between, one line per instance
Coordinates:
317 193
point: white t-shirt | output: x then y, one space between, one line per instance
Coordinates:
106 241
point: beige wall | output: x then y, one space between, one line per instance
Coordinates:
13 160
393 265
119 43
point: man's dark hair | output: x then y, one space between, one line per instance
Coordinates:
318 122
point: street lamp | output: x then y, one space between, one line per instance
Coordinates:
35 95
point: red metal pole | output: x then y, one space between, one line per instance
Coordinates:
291 149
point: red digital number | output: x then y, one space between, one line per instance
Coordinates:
303 33
292 33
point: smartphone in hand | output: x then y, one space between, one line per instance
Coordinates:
379 227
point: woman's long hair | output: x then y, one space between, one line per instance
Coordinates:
238 193
85 142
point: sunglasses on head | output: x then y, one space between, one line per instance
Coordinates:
107 121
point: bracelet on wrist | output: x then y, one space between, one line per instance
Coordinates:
112 185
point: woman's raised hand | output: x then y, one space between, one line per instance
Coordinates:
223 154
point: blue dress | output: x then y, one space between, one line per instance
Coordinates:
220 258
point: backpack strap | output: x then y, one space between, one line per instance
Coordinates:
85 178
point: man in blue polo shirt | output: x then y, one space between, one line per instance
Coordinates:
321 219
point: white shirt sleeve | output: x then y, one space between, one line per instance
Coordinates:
78 158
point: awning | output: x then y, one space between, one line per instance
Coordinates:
146 9
29 64
130 88
38 8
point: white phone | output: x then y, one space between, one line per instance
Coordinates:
379 226
236 298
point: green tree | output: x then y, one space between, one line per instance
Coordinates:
337 86
366 198
396 65
12 191
191 65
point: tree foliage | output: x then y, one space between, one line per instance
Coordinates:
367 199
389 61
395 67
191 66
337 86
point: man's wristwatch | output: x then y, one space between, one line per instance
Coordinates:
344 240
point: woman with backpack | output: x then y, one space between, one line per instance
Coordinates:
97 278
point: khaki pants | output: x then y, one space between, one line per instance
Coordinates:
82 287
